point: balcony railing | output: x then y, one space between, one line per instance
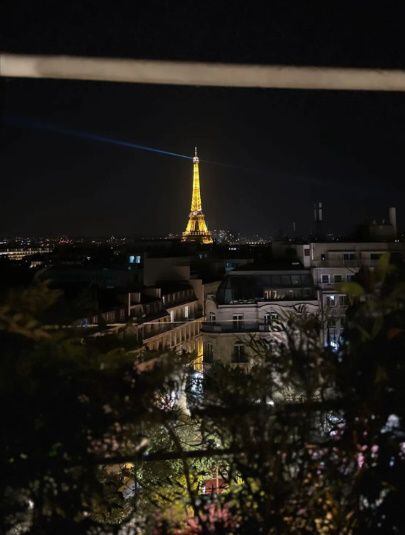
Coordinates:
238 327
163 327
341 262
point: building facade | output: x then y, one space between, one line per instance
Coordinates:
252 303
334 263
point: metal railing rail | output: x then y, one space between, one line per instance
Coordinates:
141 71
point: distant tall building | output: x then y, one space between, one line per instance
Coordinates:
196 230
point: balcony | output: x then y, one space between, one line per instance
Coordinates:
341 262
166 326
337 262
238 327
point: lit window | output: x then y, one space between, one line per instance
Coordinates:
330 301
270 295
186 312
270 318
134 259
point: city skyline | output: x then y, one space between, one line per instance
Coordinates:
218 185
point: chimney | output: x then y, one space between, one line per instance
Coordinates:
318 215
392 211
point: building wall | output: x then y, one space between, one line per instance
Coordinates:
334 276
181 337
332 254
253 326
165 269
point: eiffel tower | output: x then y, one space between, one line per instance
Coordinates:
196 230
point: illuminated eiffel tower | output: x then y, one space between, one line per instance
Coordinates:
196 230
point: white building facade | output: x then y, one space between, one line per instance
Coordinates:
334 263
253 303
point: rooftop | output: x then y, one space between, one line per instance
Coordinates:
270 285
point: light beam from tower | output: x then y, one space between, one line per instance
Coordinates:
196 230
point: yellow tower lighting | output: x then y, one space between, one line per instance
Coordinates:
196 230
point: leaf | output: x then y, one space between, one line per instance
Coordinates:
353 289
380 375
377 326
383 265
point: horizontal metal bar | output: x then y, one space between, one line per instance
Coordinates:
200 74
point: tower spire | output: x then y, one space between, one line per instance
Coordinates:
196 205
196 227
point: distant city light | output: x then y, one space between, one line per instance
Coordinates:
134 259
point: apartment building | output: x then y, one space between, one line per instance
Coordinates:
251 302
333 263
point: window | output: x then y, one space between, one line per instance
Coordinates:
172 317
275 281
349 256
330 301
306 252
134 259
186 312
308 293
323 257
208 352
342 300
296 280
212 317
338 278
237 321
325 279
270 295
270 318
239 354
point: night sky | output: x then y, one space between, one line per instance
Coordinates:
286 148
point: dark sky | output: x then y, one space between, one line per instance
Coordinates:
288 148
